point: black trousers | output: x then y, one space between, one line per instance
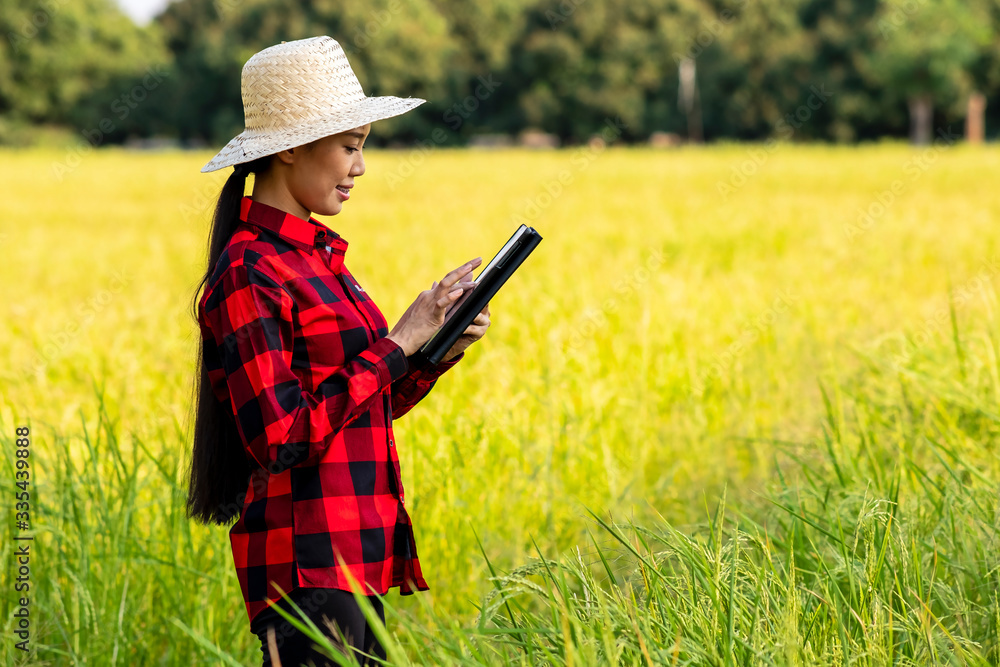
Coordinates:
295 648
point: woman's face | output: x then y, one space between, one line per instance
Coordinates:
321 167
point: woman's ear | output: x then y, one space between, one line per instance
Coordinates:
287 156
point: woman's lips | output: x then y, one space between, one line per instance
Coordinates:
345 194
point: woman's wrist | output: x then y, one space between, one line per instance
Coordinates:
403 342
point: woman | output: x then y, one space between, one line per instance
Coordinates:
299 377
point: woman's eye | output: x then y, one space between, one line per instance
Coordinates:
350 149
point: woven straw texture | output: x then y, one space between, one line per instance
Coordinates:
297 92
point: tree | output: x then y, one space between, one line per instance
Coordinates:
68 62
857 109
580 65
923 51
765 74
395 47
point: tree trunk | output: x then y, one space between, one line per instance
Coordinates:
921 119
975 122
689 100
694 120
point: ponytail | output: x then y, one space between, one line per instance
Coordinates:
220 471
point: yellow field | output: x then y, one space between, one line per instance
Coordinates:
675 322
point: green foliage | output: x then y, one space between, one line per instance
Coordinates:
395 47
564 66
68 61
926 47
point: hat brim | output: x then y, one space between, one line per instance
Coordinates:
247 146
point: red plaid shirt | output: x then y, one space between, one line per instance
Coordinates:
298 350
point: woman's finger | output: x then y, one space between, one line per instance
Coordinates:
448 298
457 291
455 274
480 323
474 330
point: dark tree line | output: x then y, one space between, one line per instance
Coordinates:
835 70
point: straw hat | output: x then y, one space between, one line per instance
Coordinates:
297 92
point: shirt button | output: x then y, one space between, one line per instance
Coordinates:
390 442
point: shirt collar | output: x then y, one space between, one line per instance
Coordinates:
304 234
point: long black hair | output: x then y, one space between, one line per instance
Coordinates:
220 470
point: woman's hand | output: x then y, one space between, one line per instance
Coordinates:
426 315
473 332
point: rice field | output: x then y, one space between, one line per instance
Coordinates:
740 407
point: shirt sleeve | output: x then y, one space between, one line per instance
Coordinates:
408 390
281 424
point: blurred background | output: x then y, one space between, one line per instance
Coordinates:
740 406
671 70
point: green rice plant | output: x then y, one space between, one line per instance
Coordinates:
700 431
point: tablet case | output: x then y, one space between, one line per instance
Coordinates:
475 300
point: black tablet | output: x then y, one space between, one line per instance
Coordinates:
462 313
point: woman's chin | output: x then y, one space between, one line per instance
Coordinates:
330 208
